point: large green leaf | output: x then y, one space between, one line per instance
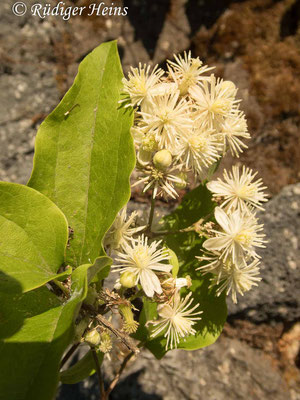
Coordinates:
82 369
33 237
84 153
43 327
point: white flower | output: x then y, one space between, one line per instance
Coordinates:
122 231
239 236
239 190
234 278
161 182
168 117
140 82
187 71
233 128
142 260
176 320
213 101
237 279
198 149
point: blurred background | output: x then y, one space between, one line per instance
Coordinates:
254 43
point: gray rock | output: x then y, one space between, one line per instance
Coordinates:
227 370
277 296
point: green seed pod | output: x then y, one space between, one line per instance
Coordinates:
128 279
162 159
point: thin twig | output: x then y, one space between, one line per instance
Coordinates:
62 287
121 335
151 215
99 374
119 373
69 353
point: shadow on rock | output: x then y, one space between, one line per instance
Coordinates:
128 388
148 19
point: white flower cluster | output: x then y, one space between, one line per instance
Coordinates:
149 265
184 121
233 259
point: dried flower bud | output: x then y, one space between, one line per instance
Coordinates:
128 279
92 338
162 159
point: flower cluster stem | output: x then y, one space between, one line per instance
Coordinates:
104 395
151 215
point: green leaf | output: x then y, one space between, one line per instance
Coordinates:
84 153
40 328
33 237
82 369
195 205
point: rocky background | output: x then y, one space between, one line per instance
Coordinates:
256 44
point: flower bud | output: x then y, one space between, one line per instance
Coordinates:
182 282
128 279
143 157
162 159
182 184
92 338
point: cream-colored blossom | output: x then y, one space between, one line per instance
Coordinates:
140 82
176 320
231 277
198 149
122 230
143 260
233 130
238 238
187 71
161 182
213 101
168 117
239 190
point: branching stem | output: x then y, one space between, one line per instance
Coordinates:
151 215
119 373
104 396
